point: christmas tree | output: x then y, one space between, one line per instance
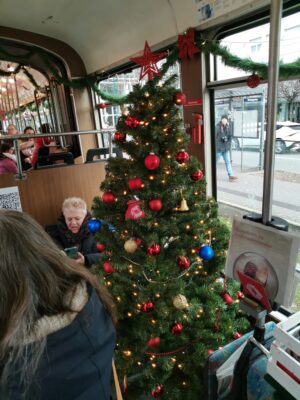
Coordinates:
162 258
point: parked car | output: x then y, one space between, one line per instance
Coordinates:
287 138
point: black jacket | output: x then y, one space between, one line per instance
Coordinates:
86 246
223 137
76 364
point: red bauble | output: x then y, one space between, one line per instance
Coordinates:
210 351
237 335
182 157
155 204
108 268
148 307
120 136
154 342
154 250
180 98
132 122
102 105
240 295
227 298
183 262
253 81
176 328
138 241
197 175
152 161
100 247
108 197
157 392
135 184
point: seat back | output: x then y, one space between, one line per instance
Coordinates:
48 161
92 153
102 154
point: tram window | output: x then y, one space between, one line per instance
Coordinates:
246 111
254 43
121 85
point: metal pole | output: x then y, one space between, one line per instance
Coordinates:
262 132
18 157
18 102
273 72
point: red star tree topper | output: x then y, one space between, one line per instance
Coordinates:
148 62
186 45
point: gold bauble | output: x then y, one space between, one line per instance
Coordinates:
130 246
180 302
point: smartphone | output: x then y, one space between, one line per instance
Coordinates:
71 252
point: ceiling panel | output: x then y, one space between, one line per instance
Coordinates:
102 32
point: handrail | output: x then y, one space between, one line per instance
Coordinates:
56 134
21 175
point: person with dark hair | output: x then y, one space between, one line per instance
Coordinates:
72 230
56 333
223 145
26 147
7 159
40 143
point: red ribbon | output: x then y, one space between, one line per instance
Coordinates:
186 45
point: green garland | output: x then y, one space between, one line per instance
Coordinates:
286 71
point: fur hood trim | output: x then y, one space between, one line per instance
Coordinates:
47 325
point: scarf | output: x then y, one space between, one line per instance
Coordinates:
73 238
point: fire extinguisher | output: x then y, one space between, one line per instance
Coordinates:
197 130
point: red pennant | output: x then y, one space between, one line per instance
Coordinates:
148 62
186 45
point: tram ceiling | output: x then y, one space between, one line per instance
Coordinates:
102 32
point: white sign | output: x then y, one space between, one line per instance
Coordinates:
266 255
215 12
10 198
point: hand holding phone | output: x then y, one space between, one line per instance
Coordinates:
71 252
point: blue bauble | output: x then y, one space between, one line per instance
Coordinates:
94 225
206 252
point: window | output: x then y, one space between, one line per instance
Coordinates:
255 45
245 109
121 85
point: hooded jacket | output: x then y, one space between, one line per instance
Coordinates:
76 363
84 240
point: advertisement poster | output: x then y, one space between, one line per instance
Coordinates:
265 254
10 198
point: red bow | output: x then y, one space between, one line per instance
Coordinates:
186 45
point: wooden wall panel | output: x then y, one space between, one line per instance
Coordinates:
43 192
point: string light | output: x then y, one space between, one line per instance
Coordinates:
127 353
154 322
129 314
125 192
154 118
157 295
153 365
151 177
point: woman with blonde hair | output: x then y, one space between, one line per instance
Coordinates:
72 231
56 331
